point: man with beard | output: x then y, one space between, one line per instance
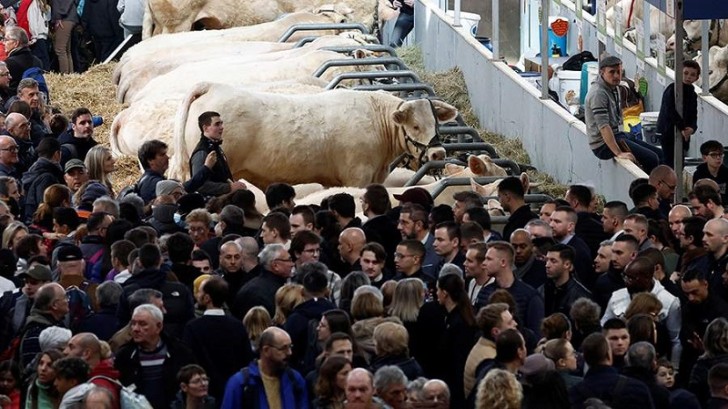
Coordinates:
268 379
77 141
624 250
529 268
413 224
639 277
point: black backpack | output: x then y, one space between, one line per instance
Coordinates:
133 188
575 62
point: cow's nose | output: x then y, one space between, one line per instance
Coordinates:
437 154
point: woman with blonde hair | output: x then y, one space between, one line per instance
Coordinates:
499 390
287 298
13 233
256 321
367 310
54 196
100 164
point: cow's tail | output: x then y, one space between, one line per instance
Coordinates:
148 21
179 166
114 133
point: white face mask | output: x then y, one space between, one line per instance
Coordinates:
177 218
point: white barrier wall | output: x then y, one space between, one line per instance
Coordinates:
712 114
508 105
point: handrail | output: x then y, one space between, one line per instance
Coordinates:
371 75
329 26
408 87
371 47
345 62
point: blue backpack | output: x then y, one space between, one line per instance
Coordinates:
36 73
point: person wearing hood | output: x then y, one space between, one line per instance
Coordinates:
177 298
77 141
87 347
603 117
220 182
49 309
298 325
43 173
163 211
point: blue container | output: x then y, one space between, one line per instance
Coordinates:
592 66
557 45
485 41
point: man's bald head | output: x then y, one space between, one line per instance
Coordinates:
664 179
681 211
359 386
231 246
13 119
436 390
720 225
353 236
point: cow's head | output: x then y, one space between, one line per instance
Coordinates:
718 72
338 13
419 119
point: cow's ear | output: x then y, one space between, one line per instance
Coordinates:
445 112
358 54
401 115
477 165
452 169
477 188
525 181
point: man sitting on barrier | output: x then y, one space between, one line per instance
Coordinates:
603 117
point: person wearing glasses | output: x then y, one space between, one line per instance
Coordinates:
193 389
713 167
9 157
152 359
277 268
252 386
20 58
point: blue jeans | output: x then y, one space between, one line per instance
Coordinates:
648 156
403 26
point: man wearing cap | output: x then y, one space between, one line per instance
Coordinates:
72 269
16 305
75 174
603 117
43 173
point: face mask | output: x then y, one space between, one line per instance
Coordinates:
177 218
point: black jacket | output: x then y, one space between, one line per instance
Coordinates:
74 148
163 219
560 299
26 154
606 284
669 118
101 19
41 174
382 230
298 326
18 61
619 391
178 355
590 230
260 291
518 220
218 182
660 394
408 365
583 262
147 185
177 299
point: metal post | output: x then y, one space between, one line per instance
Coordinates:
456 14
679 33
545 48
704 55
647 37
495 35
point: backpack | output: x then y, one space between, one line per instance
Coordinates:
79 305
128 399
575 62
36 73
133 188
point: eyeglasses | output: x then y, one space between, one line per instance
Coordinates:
400 255
5 74
11 149
669 186
201 379
716 155
282 348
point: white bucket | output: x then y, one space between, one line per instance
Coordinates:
649 127
468 20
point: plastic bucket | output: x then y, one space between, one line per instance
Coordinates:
589 73
532 77
485 41
469 21
649 128
568 86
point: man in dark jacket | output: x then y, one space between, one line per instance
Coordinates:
43 173
602 381
20 58
301 324
380 228
151 361
668 118
155 161
50 307
277 265
29 92
179 250
642 366
220 182
101 19
510 195
221 356
561 289
177 298
76 142
17 126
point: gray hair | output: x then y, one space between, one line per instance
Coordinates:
415 387
388 375
438 382
143 296
103 391
269 253
150 309
25 82
606 243
367 289
108 205
18 34
108 293
249 246
641 355
232 215
136 201
54 338
539 223
450 268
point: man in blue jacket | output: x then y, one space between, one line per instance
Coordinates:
247 388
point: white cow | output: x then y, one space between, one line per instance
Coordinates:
336 138
174 16
138 72
153 118
718 34
632 9
718 72
239 71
